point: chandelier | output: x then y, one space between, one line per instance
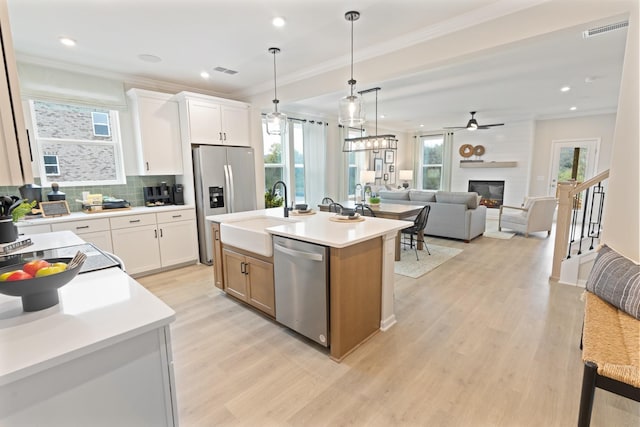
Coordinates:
371 143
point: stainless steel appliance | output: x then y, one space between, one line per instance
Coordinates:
301 272
224 183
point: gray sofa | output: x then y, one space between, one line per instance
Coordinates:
456 215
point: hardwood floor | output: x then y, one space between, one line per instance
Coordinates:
482 340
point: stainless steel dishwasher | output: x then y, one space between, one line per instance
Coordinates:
301 271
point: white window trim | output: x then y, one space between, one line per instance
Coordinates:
108 125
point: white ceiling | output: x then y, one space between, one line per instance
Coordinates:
513 81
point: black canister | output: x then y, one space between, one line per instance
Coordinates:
55 194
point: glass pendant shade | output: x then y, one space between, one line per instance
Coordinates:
276 123
351 111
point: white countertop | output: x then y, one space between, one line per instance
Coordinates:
74 216
319 228
96 309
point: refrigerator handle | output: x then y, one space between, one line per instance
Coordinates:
228 189
231 190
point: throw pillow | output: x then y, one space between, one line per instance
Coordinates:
616 279
394 195
458 197
422 196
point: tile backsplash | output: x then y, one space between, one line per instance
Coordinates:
131 191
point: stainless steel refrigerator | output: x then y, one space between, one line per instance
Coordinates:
224 183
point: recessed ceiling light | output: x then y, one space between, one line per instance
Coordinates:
421 126
565 89
67 41
204 75
278 22
382 116
149 58
574 108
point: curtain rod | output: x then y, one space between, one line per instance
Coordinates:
432 134
302 120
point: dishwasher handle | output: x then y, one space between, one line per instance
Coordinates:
300 254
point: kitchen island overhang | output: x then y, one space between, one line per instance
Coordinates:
354 247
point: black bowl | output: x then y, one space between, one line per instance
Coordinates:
40 292
302 206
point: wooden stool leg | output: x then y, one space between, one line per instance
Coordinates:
588 392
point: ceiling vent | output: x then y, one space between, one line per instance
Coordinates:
225 70
604 29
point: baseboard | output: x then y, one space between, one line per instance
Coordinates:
388 322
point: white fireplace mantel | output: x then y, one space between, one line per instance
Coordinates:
464 164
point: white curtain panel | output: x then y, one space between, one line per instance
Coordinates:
315 144
446 160
343 133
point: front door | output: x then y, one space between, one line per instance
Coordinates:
572 159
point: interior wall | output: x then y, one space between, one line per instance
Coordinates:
508 143
547 131
621 222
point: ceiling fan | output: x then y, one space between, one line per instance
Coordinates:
472 124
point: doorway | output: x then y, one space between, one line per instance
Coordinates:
572 159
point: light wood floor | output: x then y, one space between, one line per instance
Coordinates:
483 340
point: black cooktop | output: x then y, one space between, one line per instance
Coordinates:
96 259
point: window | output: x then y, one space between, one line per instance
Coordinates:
357 161
77 145
100 124
284 160
431 162
274 158
51 167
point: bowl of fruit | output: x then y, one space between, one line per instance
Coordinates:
37 281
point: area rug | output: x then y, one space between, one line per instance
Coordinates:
495 234
408 266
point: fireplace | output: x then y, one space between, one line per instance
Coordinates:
492 192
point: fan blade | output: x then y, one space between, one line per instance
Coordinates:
454 127
495 124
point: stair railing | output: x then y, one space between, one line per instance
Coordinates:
572 229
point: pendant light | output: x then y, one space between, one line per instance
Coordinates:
276 122
373 143
351 106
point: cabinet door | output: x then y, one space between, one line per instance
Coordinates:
34 229
205 125
101 239
178 242
235 126
138 248
261 285
217 257
157 125
235 281
15 156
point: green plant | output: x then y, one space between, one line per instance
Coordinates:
374 199
272 200
22 209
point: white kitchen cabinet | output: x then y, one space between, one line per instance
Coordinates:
135 241
214 121
156 123
33 229
96 231
15 154
178 237
148 242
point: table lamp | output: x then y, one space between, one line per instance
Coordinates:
367 177
405 175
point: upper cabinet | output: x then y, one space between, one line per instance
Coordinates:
214 121
15 153
156 123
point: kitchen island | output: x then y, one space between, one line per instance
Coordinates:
361 277
100 357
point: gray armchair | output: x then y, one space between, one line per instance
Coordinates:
535 215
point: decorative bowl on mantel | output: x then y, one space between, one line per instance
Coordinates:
40 292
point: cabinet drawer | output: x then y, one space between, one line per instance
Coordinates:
132 221
82 226
34 229
181 215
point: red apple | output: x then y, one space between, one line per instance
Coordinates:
4 276
19 275
47 271
32 267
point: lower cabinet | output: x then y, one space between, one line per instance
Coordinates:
96 231
249 279
148 242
